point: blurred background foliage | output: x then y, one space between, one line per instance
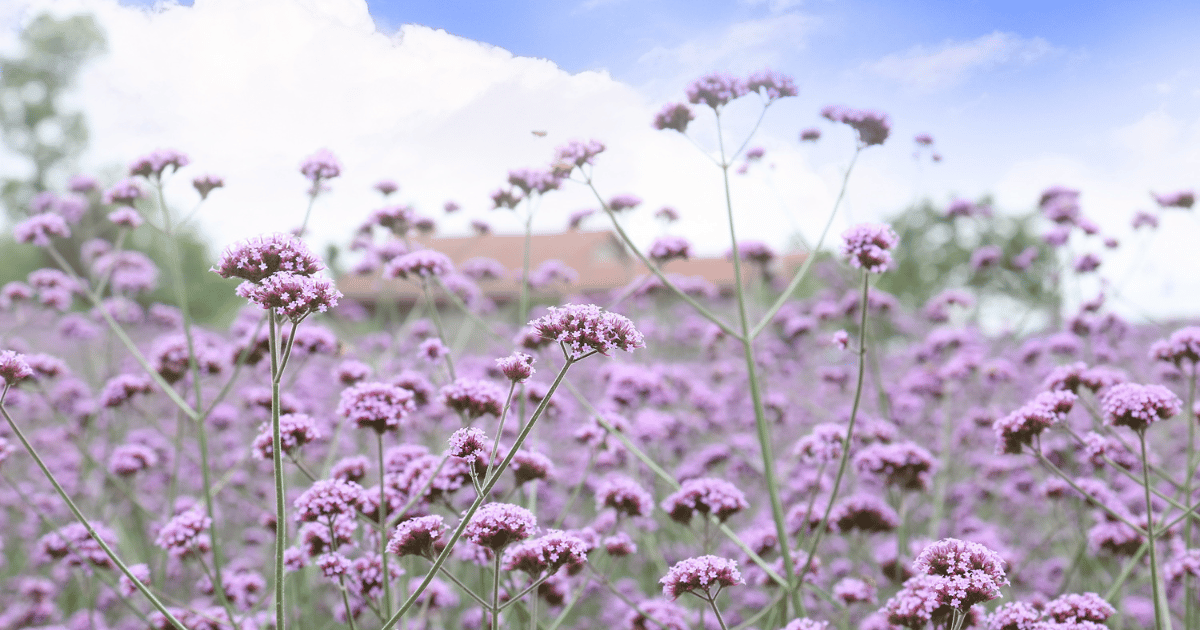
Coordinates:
48 138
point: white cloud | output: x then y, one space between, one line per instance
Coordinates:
923 69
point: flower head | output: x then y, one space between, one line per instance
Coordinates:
417 537
517 367
867 244
1180 199
13 367
256 259
496 525
624 495
181 536
700 574
40 227
547 553
970 572
674 116
422 263
155 162
586 328
123 193
329 498
379 406
1136 406
320 165
872 126
291 295
707 496
716 89
473 397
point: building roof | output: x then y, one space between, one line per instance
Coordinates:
598 257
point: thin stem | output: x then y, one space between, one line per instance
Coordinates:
496 590
1159 613
837 482
760 417
437 324
712 602
383 537
812 256
277 460
154 601
500 430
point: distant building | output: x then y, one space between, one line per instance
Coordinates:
600 259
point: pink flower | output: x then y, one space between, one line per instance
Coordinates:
586 328
700 574
866 245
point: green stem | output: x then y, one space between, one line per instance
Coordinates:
1159 614
277 460
496 590
383 536
712 602
760 416
837 482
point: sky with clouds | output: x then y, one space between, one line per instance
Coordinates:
441 96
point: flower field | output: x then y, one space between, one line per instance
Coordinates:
800 452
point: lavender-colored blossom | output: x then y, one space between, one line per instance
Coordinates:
123 387
123 193
852 590
872 126
545 554
624 495
295 430
530 465
1073 608
673 117
423 263
1183 199
773 85
13 368
126 217
578 153
516 367
1144 219
379 406
812 134
1137 406
154 163
469 444
619 203
329 498
866 245
497 525
706 496
969 573
259 258
804 623
129 459
865 513
417 537
905 465
1020 427
716 89
703 573
205 184
473 397
320 165
586 328
183 535
39 228
292 296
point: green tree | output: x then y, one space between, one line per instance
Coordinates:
33 123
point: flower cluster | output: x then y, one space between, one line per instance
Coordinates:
473 397
417 537
154 163
379 406
497 525
320 165
706 496
295 430
259 258
516 367
423 263
965 573
546 554
1018 428
183 535
674 116
872 126
1137 406
866 245
700 574
292 296
586 328
329 498
624 495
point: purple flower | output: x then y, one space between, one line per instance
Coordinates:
123 193
867 244
125 217
674 116
295 430
432 349
379 406
40 227
904 465
546 554
533 180
257 259
73 544
578 153
205 184
504 198
1136 406
473 397
291 295
624 495
13 367
970 572
586 328
1182 345
872 126
129 459
1073 608
715 90
700 574
804 623
1179 199
468 444
516 367
812 134
1018 428
1144 219
329 498
320 165
82 183
852 590
1087 263
530 465
422 263
123 387
923 139
624 202
773 84
154 163
417 537
865 513
496 525
387 187
986 257
182 535
707 496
